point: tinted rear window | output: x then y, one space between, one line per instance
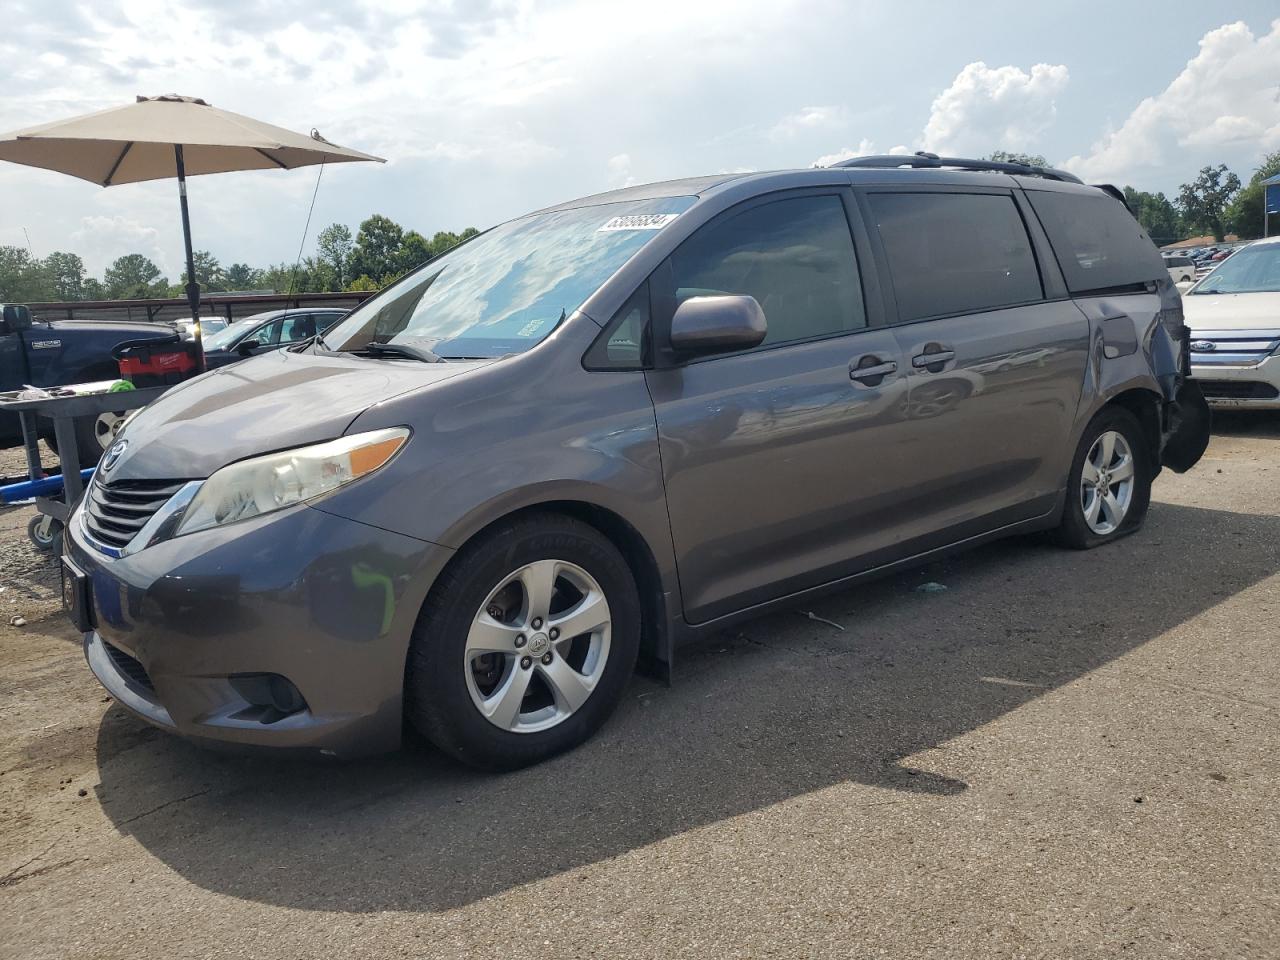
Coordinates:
955 252
1096 240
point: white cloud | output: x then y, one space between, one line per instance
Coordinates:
865 148
994 108
1223 107
100 239
807 119
620 171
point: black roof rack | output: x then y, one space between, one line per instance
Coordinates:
931 161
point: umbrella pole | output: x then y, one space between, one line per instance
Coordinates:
193 288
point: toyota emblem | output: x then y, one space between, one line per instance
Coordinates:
114 453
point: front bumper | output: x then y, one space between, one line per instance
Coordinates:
1241 387
325 602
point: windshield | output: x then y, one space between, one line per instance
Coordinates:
227 335
1254 269
508 288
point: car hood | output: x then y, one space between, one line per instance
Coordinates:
265 403
1231 311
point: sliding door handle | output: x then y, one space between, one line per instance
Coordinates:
870 370
923 361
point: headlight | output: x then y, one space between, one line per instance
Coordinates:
252 487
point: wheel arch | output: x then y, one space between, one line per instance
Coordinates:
655 631
1144 404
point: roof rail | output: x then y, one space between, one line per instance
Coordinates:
931 161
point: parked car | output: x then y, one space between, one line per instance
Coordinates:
54 353
264 332
208 325
1234 316
1180 268
597 431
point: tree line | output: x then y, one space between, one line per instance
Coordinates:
1215 203
381 251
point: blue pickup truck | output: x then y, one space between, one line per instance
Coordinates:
52 353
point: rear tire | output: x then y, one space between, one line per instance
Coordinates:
1109 486
538 693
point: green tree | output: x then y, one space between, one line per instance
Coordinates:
362 282
209 273
1009 156
93 289
133 277
1245 216
1157 214
23 278
414 252
1203 202
241 276
334 248
65 273
377 251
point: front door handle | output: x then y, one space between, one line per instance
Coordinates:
934 358
870 370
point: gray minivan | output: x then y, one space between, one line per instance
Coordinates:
592 433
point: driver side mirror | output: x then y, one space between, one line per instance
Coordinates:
703 325
14 317
248 348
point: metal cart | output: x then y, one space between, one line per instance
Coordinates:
52 512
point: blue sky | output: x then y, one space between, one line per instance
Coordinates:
489 109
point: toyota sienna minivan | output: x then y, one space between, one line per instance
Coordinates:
594 432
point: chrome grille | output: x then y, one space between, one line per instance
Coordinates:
115 512
1233 348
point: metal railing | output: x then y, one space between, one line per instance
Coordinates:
231 306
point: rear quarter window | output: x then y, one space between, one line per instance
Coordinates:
1098 243
952 253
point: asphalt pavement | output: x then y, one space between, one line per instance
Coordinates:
1060 755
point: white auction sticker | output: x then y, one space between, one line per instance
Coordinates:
639 221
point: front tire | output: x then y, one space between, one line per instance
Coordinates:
1109 487
525 643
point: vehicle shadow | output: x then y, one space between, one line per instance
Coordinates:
1252 423
782 707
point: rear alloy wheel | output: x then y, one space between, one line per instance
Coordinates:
1109 488
525 643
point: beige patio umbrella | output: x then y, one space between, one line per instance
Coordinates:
169 136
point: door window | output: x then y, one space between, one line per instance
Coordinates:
953 253
795 256
268 333
297 327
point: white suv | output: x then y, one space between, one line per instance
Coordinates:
1234 317
1180 268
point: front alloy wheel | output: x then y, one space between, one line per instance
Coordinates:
537 646
524 644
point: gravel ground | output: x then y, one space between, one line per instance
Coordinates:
1062 755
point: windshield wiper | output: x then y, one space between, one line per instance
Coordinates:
406 350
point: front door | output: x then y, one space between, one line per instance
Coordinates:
781 462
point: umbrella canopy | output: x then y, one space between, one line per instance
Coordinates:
159 138
135 142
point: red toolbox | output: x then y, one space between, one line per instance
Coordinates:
156 363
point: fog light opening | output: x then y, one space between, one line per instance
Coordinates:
270 697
